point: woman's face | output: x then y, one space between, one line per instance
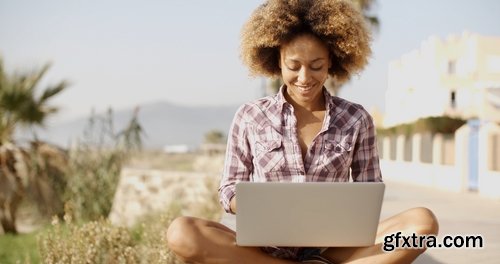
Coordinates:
304 63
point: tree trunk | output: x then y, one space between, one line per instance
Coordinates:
11 187
8 216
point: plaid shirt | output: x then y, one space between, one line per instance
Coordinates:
263 147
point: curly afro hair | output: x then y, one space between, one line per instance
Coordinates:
336 22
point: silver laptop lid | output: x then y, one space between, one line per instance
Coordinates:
308 214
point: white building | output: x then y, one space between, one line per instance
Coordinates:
458 76
176 149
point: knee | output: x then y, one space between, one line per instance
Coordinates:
182 237
424 221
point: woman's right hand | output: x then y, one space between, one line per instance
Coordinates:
233 205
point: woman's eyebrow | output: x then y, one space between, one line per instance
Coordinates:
318 59
315 60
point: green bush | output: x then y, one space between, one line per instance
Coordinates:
433 125
101 242
95 164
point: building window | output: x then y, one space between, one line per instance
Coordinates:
453 99
451 67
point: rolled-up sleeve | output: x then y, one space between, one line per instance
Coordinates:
238 162
365 165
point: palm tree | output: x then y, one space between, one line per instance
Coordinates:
19 106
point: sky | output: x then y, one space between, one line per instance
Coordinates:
125 53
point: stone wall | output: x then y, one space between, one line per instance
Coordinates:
145 191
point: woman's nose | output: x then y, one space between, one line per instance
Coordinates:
304 75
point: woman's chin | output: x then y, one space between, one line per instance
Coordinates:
306 95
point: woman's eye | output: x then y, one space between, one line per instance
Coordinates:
297 68
316 68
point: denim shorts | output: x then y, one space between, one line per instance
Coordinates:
303 253
306 253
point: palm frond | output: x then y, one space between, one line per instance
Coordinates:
19 104
51 91
32 80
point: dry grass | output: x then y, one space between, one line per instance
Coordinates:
160 160
101 242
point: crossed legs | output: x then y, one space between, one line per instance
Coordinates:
195 240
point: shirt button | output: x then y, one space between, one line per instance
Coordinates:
338 148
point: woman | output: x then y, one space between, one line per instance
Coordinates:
301 134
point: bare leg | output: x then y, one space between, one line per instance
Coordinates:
196 240
420 221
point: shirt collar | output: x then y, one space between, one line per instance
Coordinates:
280 97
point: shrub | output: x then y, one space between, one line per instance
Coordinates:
149 235
101 242
433 125
92 242
95 164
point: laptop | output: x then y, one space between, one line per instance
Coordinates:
310 214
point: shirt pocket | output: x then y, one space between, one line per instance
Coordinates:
269 157
337 156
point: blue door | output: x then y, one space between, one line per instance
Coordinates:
474 125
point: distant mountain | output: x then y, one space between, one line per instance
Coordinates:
164 124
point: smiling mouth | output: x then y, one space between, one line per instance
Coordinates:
305 88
